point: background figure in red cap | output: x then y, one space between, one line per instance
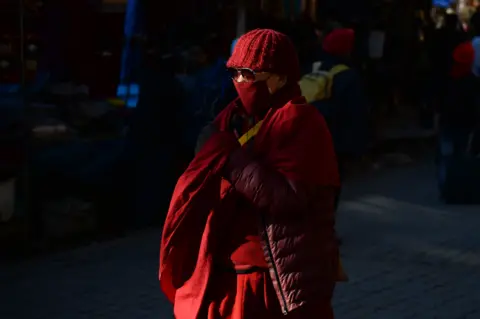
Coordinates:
250 230
348 107
458 112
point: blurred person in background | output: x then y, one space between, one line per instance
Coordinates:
458 112
348 119
442 43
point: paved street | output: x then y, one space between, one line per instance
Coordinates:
407 255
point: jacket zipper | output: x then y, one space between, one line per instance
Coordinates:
274 267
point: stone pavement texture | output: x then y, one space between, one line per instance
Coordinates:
408 256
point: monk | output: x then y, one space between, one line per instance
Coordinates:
250 229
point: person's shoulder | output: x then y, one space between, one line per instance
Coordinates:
298 112
298 107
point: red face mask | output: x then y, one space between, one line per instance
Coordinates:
255 96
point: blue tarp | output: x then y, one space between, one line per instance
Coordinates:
134 25
129 93
128 89
442 3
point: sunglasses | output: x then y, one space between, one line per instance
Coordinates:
247 74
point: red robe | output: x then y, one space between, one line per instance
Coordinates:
195 218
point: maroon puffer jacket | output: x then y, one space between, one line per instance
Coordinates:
297 216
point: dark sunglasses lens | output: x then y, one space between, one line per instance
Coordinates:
233 73
247 74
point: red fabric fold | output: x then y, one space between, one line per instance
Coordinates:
185 251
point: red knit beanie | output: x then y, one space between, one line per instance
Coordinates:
266 50
339 42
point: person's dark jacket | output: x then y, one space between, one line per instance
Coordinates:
459 109
349 124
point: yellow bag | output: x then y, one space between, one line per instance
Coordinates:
317 86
